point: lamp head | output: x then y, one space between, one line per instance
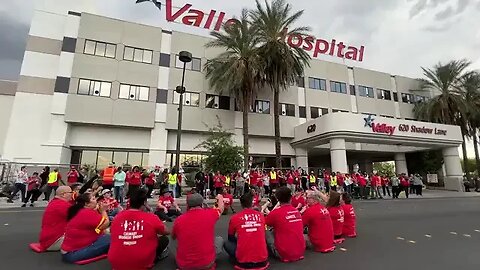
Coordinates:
185 57
180 89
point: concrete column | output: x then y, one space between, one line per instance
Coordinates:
301 158
453 169
338 155
401 163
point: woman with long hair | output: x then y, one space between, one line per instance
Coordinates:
84 235
336 213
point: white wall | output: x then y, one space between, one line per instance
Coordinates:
6 104
109 137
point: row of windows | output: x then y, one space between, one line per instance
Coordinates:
100 159
103 89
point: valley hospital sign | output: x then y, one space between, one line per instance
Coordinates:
214 20
390 129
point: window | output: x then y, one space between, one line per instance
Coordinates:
408 98
189 99
262 106
395 97
301 82
352 90
338 87
287 109
134 92
316 112
335 111
365 91
100 159
94 88
100 48
302 111
195 64
137 55
217 102
319 84
420 98
384 94
387 116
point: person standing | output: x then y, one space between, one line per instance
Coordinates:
240 185
20 185
53 179
218 183
107 176
418 184
246 230
72 176
33 192
333 182
194 231
44 176
150 183
386 186
119 184
395 182
362 184
273 175
172 181
134 181
312 180
200 183
404 182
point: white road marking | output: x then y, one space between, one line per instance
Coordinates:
477 230
400 238
343 249
428 236
412 242
467 235
454 233
6 224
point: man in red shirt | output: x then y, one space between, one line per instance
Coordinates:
227 201
362 183
375 183
298 201
72 176
167 208
218 183
246 230
138 238
195 234
287 241
54 220
320 229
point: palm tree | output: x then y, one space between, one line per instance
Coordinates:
282 64
449 106
236 70
471 88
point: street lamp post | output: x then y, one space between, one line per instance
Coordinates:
185 57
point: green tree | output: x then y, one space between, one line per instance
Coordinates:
384 168
471 90
282 64
471 164
450 106
424 162
222 153
236 69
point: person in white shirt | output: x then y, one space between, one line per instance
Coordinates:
20 184
119 184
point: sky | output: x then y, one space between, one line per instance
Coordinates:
400 36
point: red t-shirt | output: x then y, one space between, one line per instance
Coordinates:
290 179
404 182
167 202
150 180
337 216
249 227
375 181
227 200
72 177
134 240
82 230
349 223
340 180
111 202
253 179
297 201
54 222
256 201
218 181
288 232
195 233
320 228
362 181
135 179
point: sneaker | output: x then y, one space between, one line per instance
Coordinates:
23 205
164 254
31 205
9 201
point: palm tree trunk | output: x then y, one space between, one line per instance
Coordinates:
246 109
276 115
475 146
465 157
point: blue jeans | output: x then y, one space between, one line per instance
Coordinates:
173 189
96 249
118 191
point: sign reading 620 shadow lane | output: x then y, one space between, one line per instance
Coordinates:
403 128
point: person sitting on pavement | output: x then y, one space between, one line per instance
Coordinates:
195 234
76 188
256 199
316 219
139 238
337 215
113 207
167 208
84 237
54 220
287 242
349 224
33 192
227 201
298 200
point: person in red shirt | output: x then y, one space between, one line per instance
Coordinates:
291 181
316 219
336 215
362 184
150 183
72 176
227 201
218 183
298 201
349 224
167 208
33 192
246 230
138 238
256 199
194 231
286 242
375 183
340 180
254 178
386 186
54 220
405 184
84 235
134 180
113 207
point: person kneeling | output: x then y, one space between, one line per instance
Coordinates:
167 207
316 219
150 242
84 236
247 230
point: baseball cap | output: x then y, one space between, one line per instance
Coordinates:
194 200
105 191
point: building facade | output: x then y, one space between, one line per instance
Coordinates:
94 89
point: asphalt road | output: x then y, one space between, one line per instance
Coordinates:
406 234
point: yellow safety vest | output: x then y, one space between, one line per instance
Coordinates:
227 180
52 177
172 179
333 181
273 175
312 179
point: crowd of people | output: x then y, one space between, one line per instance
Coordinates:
86 220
